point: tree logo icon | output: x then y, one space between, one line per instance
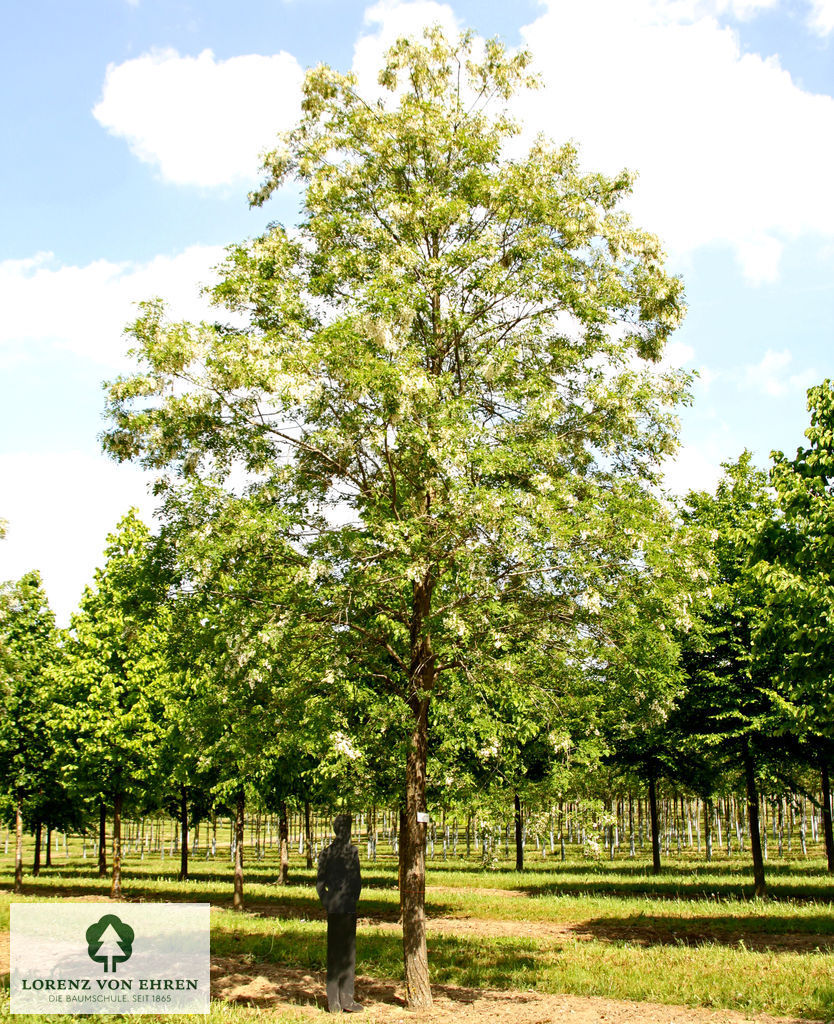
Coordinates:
109 942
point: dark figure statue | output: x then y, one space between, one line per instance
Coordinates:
338 885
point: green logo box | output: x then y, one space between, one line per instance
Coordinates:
109 958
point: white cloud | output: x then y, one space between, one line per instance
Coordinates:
85 309
729 149
198 120
742 8
770 375
706 378
677 354
691 470
60 508
759 258
821 17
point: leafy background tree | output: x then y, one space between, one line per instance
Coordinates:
730 704
796 569
111 698
28 647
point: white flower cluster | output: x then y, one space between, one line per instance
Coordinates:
343 745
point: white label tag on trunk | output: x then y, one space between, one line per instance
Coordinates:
423 817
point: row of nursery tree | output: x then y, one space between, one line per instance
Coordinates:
413 544
191 693
614 828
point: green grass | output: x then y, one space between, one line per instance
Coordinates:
693 935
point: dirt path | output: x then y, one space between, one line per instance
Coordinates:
268 986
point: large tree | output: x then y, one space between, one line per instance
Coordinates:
443 380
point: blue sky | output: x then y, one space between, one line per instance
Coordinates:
130 136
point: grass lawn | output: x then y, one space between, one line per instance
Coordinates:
692 936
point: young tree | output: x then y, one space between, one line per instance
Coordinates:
110 694
800 582
247 682
448 356
27 655
730 703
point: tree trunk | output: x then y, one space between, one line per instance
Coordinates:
237 899
18 846
308 834
284 834
36 865
412 843
655 830
753 817
116 881
708 828
519 834
49 846
827 828
102 840
401 852
184 833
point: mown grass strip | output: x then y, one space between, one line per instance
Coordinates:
677 940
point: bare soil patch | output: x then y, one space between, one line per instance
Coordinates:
269 986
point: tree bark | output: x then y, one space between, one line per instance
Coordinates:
36 865
753 817
183 833
284 836
49 846
412 844
708 828
401 852
18 846
237 899
654 825
308 834
519 834
826 816
116 880
102 840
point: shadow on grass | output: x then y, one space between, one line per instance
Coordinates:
258 967
755 933
284 903
784 882
143 871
